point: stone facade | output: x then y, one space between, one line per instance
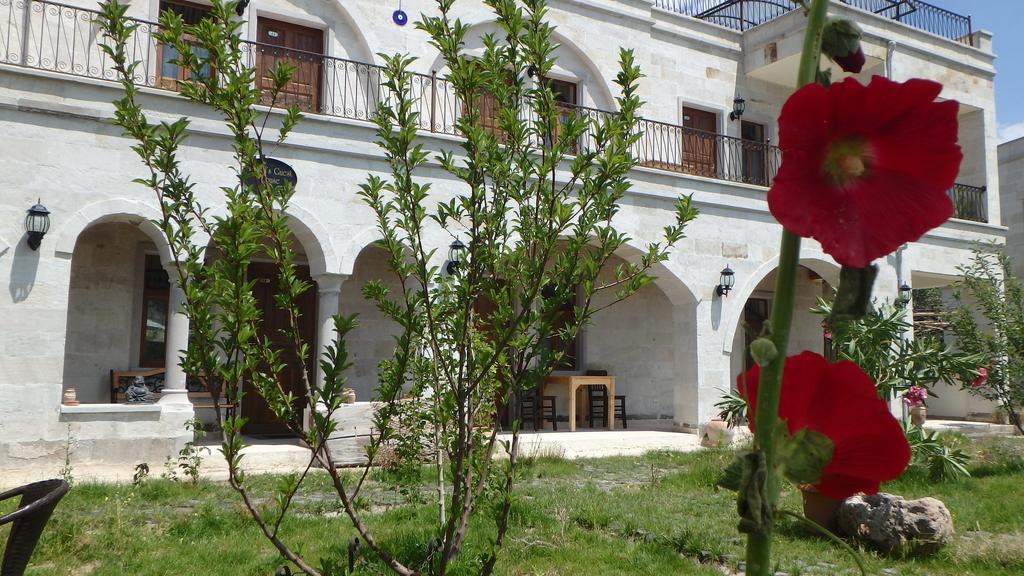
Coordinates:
73 304
1011 189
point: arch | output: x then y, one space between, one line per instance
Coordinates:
141 214
671 284
355 246
600 92
818 263
315 239
366 53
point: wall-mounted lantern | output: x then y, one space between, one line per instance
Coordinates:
906 293
455 250
241 6
37 224
725 282
739 106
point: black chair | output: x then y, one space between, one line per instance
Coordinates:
540 409
597 405
27 522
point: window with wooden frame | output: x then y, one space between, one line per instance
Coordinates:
153 331
171 74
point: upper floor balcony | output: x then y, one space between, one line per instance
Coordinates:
743 15
63 39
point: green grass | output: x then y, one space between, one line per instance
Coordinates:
656 514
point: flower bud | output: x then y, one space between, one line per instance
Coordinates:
841 42
763 351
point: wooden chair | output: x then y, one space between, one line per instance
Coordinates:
597 406
27 522
540 409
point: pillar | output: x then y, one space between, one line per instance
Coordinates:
328 290
176 343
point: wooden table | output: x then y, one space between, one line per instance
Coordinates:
573 383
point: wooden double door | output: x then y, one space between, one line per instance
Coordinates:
301 46
275 327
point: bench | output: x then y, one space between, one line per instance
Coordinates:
198 395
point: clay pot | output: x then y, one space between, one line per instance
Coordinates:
70 397
821 509
348 396
715 433
918 415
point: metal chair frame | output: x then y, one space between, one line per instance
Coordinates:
27 522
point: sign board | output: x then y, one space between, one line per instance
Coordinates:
278 173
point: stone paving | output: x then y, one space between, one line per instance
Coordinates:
286 455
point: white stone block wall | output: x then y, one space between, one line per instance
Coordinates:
59 146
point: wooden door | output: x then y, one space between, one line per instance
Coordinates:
700 142
755 153
304 48
260 418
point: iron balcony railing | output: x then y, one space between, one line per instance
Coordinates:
746 14
969 202
66 39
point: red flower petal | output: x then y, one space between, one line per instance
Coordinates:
910 160
839 401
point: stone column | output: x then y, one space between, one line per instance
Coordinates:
176 341
328 289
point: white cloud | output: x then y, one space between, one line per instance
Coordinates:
1007 132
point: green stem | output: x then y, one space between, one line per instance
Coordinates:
835 539
770 385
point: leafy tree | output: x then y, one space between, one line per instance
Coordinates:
989 290
877 343
540 228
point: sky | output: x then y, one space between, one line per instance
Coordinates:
1003 19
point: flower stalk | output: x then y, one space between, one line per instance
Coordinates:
769 391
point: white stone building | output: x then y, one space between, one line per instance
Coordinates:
1011 191
93 299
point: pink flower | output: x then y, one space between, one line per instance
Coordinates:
982 377
915 396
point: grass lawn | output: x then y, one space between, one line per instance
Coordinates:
657 514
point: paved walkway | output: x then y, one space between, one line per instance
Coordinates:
286 455
597 444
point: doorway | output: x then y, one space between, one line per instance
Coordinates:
303 47
700 142
260 419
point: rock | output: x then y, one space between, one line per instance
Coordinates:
895 524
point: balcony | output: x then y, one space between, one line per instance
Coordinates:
743 15
64 39
969 202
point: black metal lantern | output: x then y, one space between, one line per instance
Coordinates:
454 256
725 282
739 106
905 293
37 224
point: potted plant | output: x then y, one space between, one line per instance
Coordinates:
914 399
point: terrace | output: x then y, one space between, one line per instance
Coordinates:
743 15
58 38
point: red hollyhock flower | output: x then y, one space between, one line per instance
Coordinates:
839 401
865 168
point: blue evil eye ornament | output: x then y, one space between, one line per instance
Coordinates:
400 17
